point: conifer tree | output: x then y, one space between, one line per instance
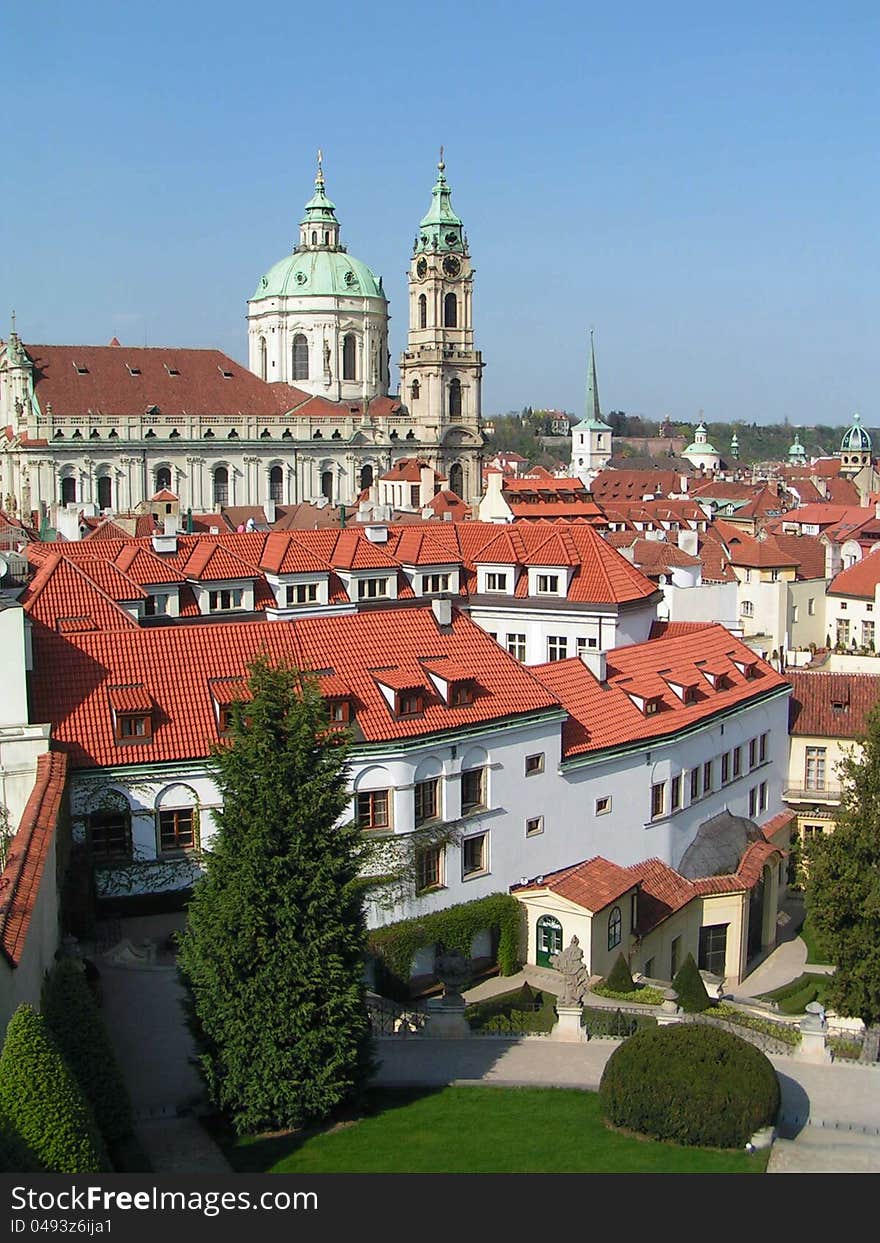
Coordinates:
843 884
273 952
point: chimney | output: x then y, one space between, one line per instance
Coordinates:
169 524
442 610
596 661
684 484
877 509
687 541
166 540
269 511
426 485
376 534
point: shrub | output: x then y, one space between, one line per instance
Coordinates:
643 994
43 1102
785 1032
15 1156
841 1047
688 983
691 1084
76 1022
620 979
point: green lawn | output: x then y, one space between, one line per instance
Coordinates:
476 1130
793 997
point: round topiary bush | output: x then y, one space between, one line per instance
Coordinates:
690 1083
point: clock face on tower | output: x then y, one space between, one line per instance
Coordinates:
421 267
451 266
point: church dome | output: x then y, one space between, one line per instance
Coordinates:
319 273
855 438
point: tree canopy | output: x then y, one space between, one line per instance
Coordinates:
273 952
843 883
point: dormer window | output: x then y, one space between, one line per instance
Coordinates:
652 705
432 583
172 370
225 600
133 727
339 711
748 668
81 368
461 694
133 370
302 593
496 582
372 588
132 708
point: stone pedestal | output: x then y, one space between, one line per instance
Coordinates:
568 1024
446 1019
812 1046
667 1011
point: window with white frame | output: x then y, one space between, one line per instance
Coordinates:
762 796
534 826
557 647
603 805
373 809
747 609
658 799
302 593
534 764
516 645
675 793
753 802
496 582
225 599
548 584
725 768
432 583
372 588
814 768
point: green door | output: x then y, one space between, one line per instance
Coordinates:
549 939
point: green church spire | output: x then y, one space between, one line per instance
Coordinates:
319 209
441 229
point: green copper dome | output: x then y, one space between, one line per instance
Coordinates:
855 438
797 450
319 273
440 229
701 445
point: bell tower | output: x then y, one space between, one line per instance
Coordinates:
440 370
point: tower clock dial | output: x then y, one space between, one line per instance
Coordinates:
421 267
451 265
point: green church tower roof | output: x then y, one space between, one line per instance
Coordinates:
593 420
319 209
440 229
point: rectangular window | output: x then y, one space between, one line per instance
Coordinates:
302 593
811 607
557 647
534 826
110 835
658 799
707 777
429 868
427 801
753 802
814 768
648 969
674 957
762 751
695 784
813 830
675 793
842 632
374 809
762 796
222 601
473 790
737 761
867 634
461 695
548 584
156 605
603 805
176 830
516 645
475 855
794 614
410 703
634 909
434 582
496 582
339 711
534 764
725 768
133 727
753 753
372 588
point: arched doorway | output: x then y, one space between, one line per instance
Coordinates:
456 479
221 486
105 492
68 490
327 485
366 477
163 478
276 484
548 939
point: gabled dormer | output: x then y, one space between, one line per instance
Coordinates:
404 691
454 683
224 693
131 707
338 697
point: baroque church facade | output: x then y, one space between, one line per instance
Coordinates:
310 417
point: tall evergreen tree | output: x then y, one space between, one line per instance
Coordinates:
843 883
273 952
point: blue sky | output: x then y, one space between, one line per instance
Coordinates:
698 182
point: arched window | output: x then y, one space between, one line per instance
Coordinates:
276 484
455 399
221 486
300 357
327 485
366 477
349 357
68 490
326 238
456 479
163 478
450 311
423 311
548 939
414 391
264 359
314 237
614 923
105 492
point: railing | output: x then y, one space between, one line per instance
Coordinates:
828 793
387 1018
766 1042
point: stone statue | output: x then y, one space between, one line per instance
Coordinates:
327 372
453 970
575 979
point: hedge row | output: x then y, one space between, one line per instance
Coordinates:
780 1031
395 945
644 994
75 1020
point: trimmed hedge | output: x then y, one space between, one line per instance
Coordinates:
786 1033
76 1022
15 1156
644 994
691 1084
42 1100
620 978
395 945
688 983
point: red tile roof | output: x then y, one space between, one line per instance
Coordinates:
178 665
61 591
603 715
208 383
408 470
610 485
831 705
593 884
859 580
27 855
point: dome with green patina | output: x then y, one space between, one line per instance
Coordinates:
797 450
700 443
441 230
855 438
319 273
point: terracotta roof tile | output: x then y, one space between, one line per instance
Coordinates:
860 579
592 884
831 705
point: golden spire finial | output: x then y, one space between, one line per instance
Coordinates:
320 177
